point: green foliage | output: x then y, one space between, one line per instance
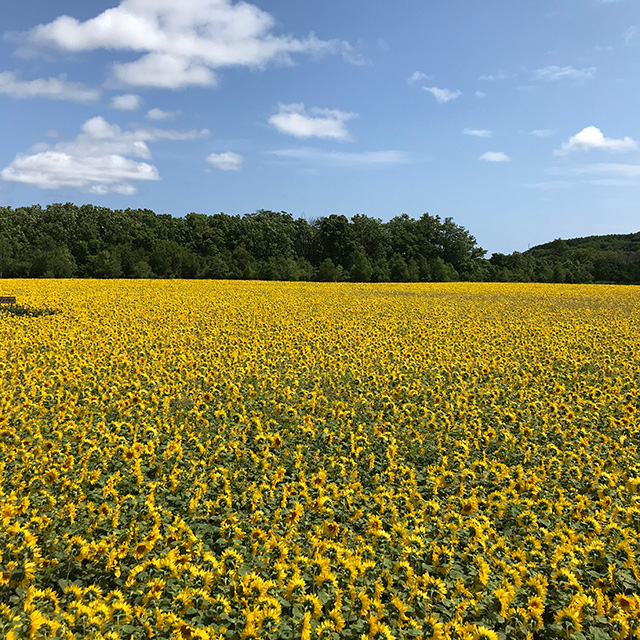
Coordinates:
613 259
64 240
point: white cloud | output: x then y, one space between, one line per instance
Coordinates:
416 76
53 88
96 174
592 138
493 77
612 169
152 134
481 94
549 185
542 133
98 160
494 156
343 158
165 71
443 95
608 174
553 73
227 161
182 43
126 102
630 34
478 133
160 114
294 120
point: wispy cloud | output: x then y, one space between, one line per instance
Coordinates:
492 77
227 161
126 102
494 156
608 174
343 158
417 76
612 169
99 160
592 138
630 34
443 95
181 44
554 73
478 133
52 88
542 133
295 120
549 185
160 114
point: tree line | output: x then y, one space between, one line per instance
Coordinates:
66 240
613 259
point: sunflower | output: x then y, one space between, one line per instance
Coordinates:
469 506
432 629
482 633
325 629
624 602
330 529
121 610
619 626
569 619
535 607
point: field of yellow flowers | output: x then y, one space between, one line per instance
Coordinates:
241 460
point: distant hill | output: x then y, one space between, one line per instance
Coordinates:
628 243
611 259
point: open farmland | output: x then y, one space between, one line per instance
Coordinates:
209 459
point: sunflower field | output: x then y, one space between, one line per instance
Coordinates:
243 460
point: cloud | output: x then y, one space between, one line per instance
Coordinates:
443 95
493 77
53 88
416 76
592 138
478 133
126 102
159 114
165 71
630 34
554 73
612 169
549 185
181 44
99 160
542 133
343 158
494 156
98 175
608 174
481 94
294 120
227 161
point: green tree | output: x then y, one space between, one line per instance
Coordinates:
105 264
327 271
398 268
380 272
361 269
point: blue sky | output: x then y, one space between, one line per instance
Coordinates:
517 119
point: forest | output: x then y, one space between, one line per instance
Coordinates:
66 240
